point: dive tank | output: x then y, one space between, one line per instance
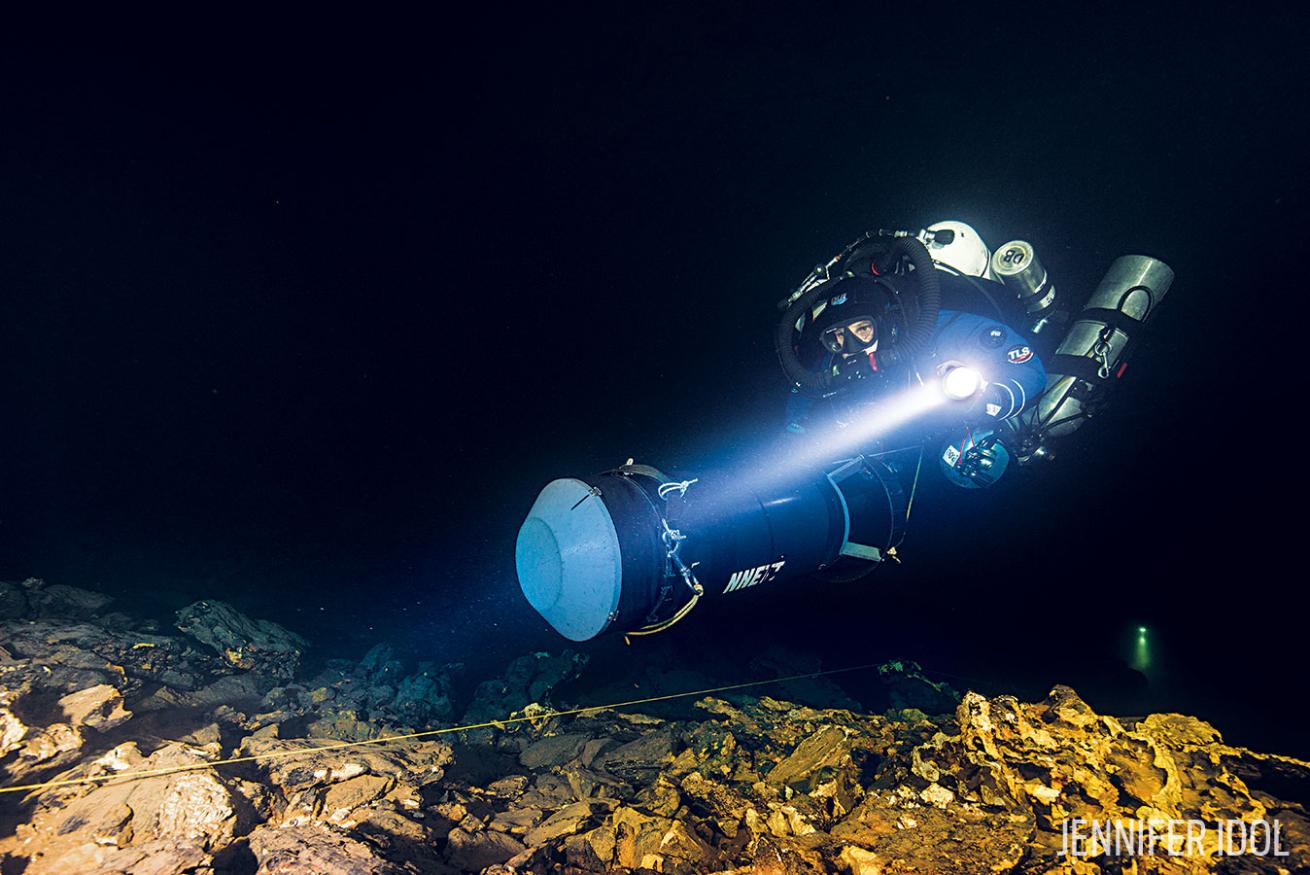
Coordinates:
621 550
1017 265
1088 359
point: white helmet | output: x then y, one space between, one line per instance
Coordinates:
966 253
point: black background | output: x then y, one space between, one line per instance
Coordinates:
302 316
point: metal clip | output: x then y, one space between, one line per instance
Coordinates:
678 486
673 539
1101 352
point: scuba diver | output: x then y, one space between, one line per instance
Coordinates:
896 310
903 346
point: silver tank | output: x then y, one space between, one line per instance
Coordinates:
1023 273
1134 285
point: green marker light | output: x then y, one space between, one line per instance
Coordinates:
1141 658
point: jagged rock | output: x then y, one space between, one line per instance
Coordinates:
590 783
190 812
645 753
74 655
339 800
312 849
590 851
549 792
827 749
637 836
565 822
378 690
244 643
382 684
99 707
422 697
752 784
681 842
47 746
160 857
345 724
517 821
963 840
909 688
13 601
12 729
396 835
553 750
238 690
333 785
61 601
380 662
510 787
39 738
858 861
528 679
717 799
475 851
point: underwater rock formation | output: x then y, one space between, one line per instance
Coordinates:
35 598
242 642
908 687
352 701
526 681
743 783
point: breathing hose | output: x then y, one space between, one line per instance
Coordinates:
918 336
915 340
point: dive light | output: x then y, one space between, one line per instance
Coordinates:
961 382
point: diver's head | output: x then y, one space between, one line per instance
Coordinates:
846 321
832 322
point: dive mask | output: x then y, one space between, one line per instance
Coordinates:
850 337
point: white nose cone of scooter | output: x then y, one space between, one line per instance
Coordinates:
569 562
966 254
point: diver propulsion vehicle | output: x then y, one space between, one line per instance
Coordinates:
633 550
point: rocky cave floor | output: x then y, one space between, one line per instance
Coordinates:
940 783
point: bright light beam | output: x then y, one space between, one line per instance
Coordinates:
836 443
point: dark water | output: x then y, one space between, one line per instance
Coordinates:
308 330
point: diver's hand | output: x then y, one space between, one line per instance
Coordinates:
994 402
